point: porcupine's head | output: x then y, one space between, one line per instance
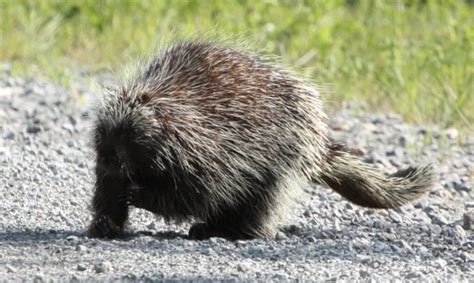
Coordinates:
124 134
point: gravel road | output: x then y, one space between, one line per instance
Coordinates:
46 186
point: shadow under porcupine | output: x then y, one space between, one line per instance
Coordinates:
209 133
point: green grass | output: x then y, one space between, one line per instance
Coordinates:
412 57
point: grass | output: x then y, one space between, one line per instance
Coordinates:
412 57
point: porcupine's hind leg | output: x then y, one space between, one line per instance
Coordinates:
248 219
109 211
231 225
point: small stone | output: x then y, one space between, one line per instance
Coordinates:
348 206
377 119
413 275
33 129
151 226
380 224
364 258
439 220
294 230
10 91
208 252
312 239
459 232
460 186
468 220
254 250
440 262
242 267
307 213
9 135
340 126
102 267
280 236
81 267
130 277
395 216
68 127
404 245
280 277
38 278
364 274
444 193
72 238
3 151
468 257
10 268
451 133
216 240
363 242
240 243
424 250
402 141
80 248
435 230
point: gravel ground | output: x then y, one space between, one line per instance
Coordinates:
46 186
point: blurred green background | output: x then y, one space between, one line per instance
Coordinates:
415 58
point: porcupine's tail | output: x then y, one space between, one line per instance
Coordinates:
365 185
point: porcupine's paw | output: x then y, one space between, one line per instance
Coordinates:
203 231
199 231
103 227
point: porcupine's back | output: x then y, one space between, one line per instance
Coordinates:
228 119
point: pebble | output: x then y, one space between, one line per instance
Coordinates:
38 278
403 141
459 232
364 274
102 267
243 267
151 226
33 129
413 275
468 220
10 268
80 248
468 257
395 217
440 262
460 186
439 220
451 133
280 236
404 245
72 238
82 267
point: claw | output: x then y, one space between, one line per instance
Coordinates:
102 227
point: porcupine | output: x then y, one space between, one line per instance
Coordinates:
224 137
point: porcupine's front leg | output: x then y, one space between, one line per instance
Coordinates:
109 211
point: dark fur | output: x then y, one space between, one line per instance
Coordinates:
205 132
